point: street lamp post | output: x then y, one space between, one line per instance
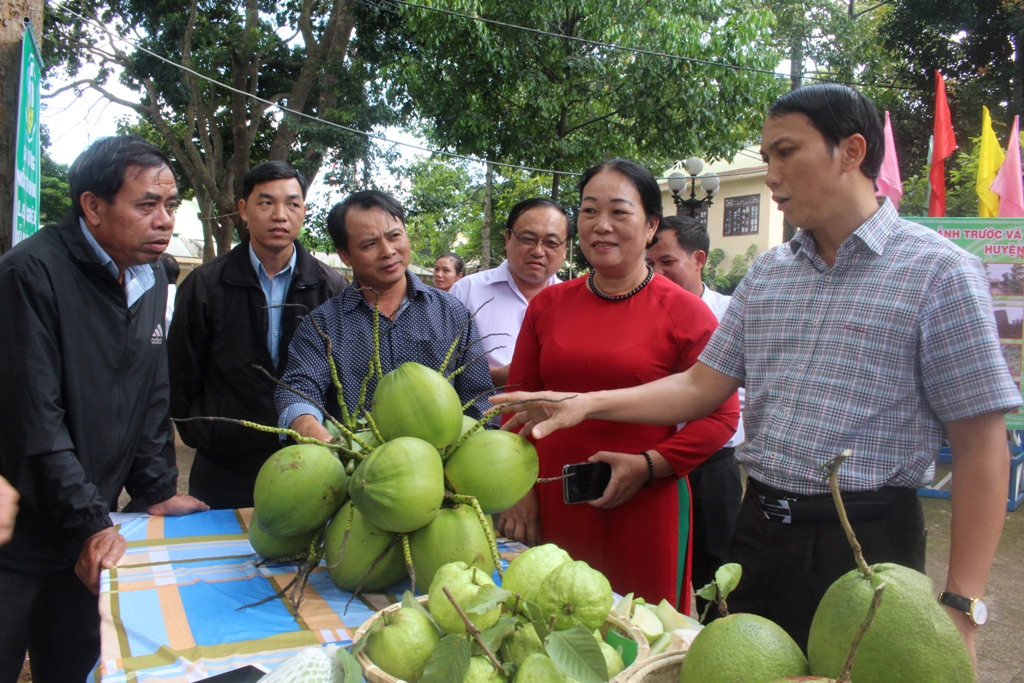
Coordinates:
677 183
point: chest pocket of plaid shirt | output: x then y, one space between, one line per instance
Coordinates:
877 355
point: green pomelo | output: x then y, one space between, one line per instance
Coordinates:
574 594
365 544
540 669
403 645
455 535
272 547
805 679
298 489
520 644
496 467
400 485
527 571
413 400
482 671
612 659
464 583
911 638
742 648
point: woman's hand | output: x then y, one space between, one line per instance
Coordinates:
521 522
629 474
543 412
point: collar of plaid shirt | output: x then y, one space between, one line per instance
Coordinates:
873 354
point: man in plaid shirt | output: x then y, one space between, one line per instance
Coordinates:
865 332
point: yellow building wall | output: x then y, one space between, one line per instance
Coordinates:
770 220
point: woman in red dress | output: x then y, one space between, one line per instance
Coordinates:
622 326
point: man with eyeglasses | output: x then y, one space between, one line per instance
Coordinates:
536 234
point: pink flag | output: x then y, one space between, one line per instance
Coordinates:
888 181
1008 184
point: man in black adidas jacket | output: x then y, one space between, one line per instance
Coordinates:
83 401
228 318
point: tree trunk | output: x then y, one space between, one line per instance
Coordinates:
556 179
12 30
485 231
796 62
206 216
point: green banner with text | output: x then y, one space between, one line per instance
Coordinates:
999 243
27 169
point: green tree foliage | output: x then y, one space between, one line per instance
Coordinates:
545 102
726 283
55 195
305 55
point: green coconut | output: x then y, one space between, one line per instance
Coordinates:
298 489
413 400
496 467
365 544
455 535
273 548
400 485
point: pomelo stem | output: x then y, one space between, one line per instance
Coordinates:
473 630
492 542
407 552
833 484
876 599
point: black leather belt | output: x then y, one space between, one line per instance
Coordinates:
792 508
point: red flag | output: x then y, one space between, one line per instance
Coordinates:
943 146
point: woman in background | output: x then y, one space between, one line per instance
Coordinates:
448 269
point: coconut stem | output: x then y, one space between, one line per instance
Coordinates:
833 484
407 551
492 543
373 425
876 599
473 630
344 539
299 438
458 371
373 565
458 337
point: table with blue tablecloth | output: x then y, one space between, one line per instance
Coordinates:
170 608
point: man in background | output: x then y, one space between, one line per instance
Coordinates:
536 234
236 312
679 252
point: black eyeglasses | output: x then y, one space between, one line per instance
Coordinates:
529 241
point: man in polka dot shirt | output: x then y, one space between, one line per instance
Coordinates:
417 323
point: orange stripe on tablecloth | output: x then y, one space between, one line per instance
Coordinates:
132 586
179 633
245 514
315 611
108 633
155 528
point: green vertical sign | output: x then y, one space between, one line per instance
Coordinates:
999 243
27 171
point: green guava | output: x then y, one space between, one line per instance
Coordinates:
612 659
527 571
404 644
520 644
540 669
574 593
464 582
482 671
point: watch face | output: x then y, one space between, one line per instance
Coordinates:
979 612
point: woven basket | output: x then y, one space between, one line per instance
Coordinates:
373 674
663 668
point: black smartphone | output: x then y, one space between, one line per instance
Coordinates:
585 481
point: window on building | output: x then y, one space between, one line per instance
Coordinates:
742 215
702 214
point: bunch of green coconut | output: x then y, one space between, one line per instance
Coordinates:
404 487
547 623
905 638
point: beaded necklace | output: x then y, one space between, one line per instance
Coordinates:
619 297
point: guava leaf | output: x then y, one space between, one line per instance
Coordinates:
488 597
625 607
493 636
349 664
728 577
410 601
709 592
358 646
449 661
535 616
576 653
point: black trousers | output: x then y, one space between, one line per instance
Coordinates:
717 493
54 617
788 567
219 487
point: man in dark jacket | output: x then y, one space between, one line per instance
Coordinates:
228 317
83 401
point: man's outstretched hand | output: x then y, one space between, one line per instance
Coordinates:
542 412
179 504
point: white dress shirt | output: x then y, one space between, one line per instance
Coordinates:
502 316
718 303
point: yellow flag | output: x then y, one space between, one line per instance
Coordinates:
988 166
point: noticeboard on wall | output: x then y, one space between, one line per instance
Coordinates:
742 215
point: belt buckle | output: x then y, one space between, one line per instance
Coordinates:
776 508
